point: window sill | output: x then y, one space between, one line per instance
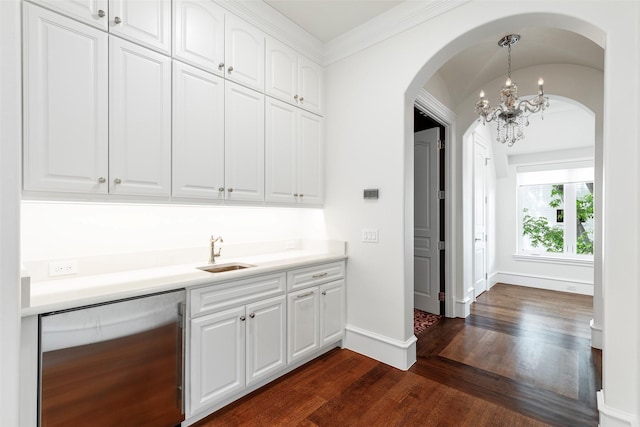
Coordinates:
580 262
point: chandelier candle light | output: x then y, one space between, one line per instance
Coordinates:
511 115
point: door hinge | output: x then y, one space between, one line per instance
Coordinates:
440 296
441 245
440 144
441 195
486 276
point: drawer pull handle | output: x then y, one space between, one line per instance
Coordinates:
305 295
317 276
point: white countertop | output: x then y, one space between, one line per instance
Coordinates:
61 294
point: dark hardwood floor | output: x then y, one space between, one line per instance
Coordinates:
522 358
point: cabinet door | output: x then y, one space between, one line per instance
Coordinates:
281 138
198 34
310 85
92 12
266 335
281 77
140 120
198 133
310 159
147 22
244 53
332 307
244 143
217 359
303 324
65 104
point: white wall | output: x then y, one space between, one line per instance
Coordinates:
369 97
53 230
438 89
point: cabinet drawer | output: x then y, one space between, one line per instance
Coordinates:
228 294
316 275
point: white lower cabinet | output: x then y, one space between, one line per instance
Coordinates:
304 323
235 348
316 318
244 333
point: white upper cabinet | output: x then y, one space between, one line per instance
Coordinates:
310 159
310 85
147 22
244 143
92 12
294 154
293 78
198 133
281 140
65 104
198 34
281 72
139 120
244 53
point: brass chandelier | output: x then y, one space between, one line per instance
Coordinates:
512 115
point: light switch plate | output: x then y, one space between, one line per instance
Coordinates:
370 235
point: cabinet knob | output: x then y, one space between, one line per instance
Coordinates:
102 180
220 188
221 66
117 20
301 195
252 315
301 98
101 13
324 292
295 194
117 181
230 190
242 318
230 69
295 97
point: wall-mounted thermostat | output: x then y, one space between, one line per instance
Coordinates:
371 193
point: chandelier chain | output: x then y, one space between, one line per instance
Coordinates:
509 62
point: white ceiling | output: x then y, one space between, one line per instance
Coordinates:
471 68
327 19
486 61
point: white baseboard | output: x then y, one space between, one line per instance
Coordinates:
399 354
549 283
610 417
463 307
493 279
596 335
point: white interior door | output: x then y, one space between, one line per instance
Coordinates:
479 216
426 221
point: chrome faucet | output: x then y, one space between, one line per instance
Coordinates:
214 255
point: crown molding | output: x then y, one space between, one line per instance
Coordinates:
276 25
395 21
430 104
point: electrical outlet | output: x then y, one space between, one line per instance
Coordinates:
370 235
63 268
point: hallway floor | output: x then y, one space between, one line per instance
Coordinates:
521 359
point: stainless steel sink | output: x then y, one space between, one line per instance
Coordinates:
222 268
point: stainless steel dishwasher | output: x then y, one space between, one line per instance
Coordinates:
115 364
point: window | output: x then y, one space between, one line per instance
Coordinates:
556 211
